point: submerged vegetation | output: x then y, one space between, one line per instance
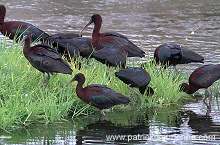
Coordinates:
24 100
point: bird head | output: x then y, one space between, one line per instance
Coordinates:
95 18
184 87
78 77
26 35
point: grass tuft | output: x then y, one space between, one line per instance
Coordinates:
24 100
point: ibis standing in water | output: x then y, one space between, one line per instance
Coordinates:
173 54
111 39
202 77
15 29
45 59
97 95
135 77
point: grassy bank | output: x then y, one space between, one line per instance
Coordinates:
24 100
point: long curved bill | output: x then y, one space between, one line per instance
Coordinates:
90 22
68 84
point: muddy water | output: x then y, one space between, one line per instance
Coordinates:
147 23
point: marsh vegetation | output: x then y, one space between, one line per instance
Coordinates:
24 100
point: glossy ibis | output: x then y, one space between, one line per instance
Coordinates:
111 39
173 54
135 77
14 29
99 96
202 77
111 56
44 58
71 45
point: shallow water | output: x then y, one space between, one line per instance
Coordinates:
146 126
147 23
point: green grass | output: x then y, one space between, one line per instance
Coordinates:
24 100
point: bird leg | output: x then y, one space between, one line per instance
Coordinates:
207 95
209 109
137 94
208 106
175 68
102 113
46 80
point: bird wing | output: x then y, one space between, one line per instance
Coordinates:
36 32
101 95
47 59
68 45
50 65
205 76
45 50
134 76
83 45
17 28
114 34
125 44
113 56
63 36
190 56
76 46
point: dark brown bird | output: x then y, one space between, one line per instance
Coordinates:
44 58
15 29
71 45
111 39
99 96
202 77
135 77
173 54
111 57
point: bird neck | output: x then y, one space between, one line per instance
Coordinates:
96 30
192 89
1 19
27 45
2 14
79 88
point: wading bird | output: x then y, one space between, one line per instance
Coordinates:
15 29
202 77
111 39
97 95
111 56
44 58
71 45
173 54
135 77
